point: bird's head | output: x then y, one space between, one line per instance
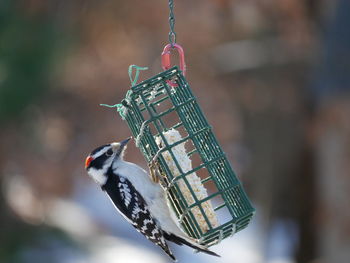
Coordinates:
100 159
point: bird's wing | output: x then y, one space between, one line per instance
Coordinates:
134 209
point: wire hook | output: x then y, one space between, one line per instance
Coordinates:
166 61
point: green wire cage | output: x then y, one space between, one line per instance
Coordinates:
165 104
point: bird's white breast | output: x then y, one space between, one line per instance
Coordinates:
152 193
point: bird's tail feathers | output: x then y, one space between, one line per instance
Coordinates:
170 254
188 242
167 251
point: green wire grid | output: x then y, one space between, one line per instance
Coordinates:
153 107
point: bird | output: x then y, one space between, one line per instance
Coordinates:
140 200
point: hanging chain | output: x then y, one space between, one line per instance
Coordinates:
166 61
172 34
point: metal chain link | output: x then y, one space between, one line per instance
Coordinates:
172 34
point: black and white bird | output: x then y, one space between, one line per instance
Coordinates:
140 201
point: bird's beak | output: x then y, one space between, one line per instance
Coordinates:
118 147
88 161
123 143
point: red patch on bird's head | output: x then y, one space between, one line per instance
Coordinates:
88 161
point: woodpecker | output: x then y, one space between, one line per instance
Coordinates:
138 199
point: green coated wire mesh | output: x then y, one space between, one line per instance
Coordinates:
156 112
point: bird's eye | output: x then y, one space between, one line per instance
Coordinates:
109 152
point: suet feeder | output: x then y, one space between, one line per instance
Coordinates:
184 154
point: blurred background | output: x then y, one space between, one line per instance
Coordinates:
272 76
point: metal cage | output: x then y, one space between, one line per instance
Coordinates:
165 102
